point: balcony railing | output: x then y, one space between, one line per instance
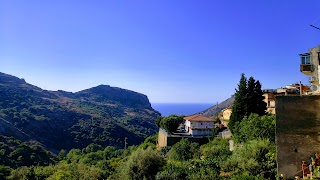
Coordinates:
306 68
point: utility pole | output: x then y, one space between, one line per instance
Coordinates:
125 143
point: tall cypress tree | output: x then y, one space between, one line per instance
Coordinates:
261 106
251 96
239 106
248 99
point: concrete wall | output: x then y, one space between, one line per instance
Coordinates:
297 132
201 132
164 139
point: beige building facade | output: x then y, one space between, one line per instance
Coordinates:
269 99
226 113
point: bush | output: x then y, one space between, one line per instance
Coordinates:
216 151
142 164
255 127
254 158
184 150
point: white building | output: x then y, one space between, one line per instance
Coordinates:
310 65
199 125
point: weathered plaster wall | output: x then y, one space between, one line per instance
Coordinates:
297 131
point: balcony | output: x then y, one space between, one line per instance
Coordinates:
313 79
306 69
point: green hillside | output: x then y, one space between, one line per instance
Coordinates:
63 120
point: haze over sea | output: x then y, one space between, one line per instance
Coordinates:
180 108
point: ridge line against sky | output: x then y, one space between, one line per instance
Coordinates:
172 51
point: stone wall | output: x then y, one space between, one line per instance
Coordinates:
297 132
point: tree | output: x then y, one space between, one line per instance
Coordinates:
142 164
261 106
62 154
4 171
248 99
184 150
173 171
239 107
256 127
216 151
158 121
254 158
171 123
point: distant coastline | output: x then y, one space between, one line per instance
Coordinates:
180 108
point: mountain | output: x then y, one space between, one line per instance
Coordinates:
217 108
63 120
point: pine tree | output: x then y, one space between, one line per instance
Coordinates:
239 107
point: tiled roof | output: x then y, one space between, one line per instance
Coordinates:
197 118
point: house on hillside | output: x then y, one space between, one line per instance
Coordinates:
269 99
289 90
198 125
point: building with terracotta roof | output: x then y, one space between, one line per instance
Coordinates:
199 125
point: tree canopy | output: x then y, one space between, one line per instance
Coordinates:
255 127
169 123
248 99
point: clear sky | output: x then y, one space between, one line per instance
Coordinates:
171 50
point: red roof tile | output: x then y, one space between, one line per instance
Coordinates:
197 118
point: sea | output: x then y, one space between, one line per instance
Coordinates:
167 109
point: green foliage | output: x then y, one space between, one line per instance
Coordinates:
239 106
93 118
62 154
190 170
173 172
72 171
246 177
61 120
150 141
158 121
92 148
170 123
14 153
184 150
142 164
260 105
253 158
216 151
248 99
255 127
4 171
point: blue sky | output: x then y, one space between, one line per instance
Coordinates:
171 50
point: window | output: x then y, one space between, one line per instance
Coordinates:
305 59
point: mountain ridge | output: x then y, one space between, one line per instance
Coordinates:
214 110
63 120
